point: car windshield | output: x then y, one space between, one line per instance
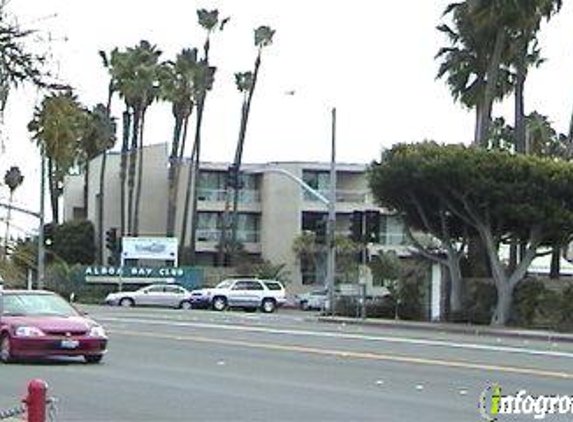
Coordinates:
37 304
224 284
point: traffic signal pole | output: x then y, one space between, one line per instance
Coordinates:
331 222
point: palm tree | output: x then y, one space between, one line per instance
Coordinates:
101 203
57 127
246 83
13 178
465 64
99 136
203 83
136 75
177 88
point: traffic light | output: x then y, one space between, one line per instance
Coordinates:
356 226
48 230
111 239
372 226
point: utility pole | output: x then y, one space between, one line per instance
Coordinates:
41 248
331 222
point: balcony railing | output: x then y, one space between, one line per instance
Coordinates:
349 196
214 235
246 196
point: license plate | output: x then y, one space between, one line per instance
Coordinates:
69 344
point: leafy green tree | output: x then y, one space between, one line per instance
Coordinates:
496 194
13 178
57 127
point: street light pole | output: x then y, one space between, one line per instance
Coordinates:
331 222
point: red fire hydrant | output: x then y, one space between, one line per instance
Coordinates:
36 401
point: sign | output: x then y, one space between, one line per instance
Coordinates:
186 276
157 248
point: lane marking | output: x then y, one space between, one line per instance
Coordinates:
355 355
349 336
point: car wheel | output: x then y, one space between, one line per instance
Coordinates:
5 349
126 302
185 305
268 306
93 358
303 305
219 303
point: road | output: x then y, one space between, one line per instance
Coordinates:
169 365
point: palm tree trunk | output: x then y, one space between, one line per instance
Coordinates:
132 169
139 178
196 170
187 203
171 176
491 84
239 152
555 270
52 182
86 186
8 217
123 168
521 74
101 204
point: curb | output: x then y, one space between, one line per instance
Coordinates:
473 330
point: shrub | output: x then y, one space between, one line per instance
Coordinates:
527 298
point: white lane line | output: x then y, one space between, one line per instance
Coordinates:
306 333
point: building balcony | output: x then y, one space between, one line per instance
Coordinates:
342 196
214 235
246 196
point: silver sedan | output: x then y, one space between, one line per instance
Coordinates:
165 295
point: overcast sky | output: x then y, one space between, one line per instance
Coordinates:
373 60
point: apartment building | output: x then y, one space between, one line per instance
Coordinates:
273 209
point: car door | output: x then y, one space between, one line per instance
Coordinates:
238 293
150 296
173 295
255 293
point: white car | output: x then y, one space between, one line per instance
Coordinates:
266 295
168 295
314 300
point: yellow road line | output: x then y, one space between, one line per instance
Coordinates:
356 355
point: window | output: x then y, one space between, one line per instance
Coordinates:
254 285
273 286
241 285
173 290
155 289
318 180
248 227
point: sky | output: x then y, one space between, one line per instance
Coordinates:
372 60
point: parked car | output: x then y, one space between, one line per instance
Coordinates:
266 295
167 295
41 324
314 300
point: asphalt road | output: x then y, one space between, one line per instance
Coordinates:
170 365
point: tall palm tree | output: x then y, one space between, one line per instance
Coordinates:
465 63
246 83
177 88
105 58
136 75
99 136
13 178
57 127
203 83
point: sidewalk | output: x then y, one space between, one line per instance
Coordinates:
475 330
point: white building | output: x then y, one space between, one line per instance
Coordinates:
274 210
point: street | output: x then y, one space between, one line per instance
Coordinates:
167 365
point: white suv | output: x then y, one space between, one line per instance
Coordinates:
266 295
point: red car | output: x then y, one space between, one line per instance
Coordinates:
42 324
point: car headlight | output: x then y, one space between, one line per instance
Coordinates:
26 331
97 331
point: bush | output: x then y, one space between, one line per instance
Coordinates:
565 322
479 305
528 299
384 307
